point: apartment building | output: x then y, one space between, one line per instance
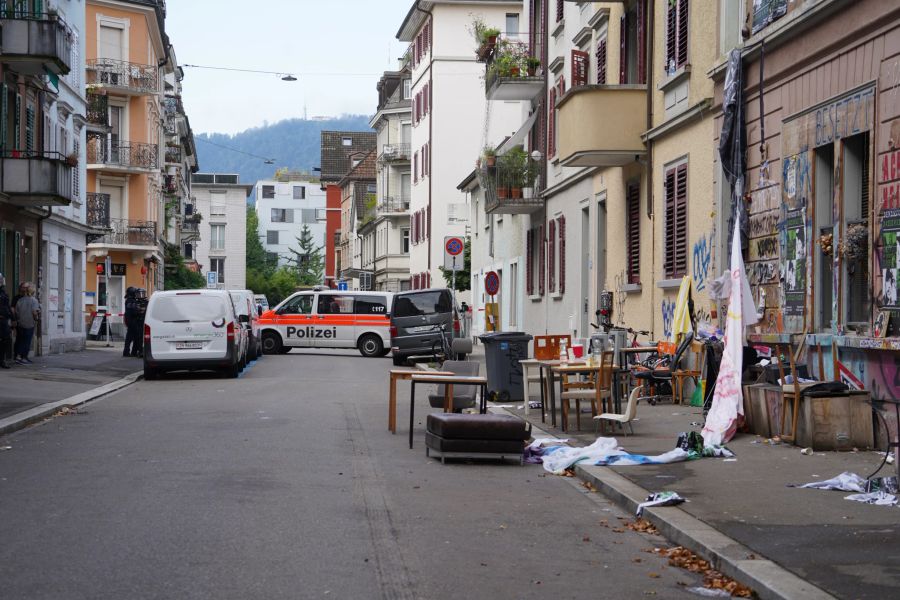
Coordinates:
126 49
358 199
41 162
448 120
339 151
285 205
385 228
221 201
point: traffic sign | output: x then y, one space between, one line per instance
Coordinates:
342 286
453 249
492 283
212 279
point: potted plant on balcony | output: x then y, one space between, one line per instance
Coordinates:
490 156
529 176
532 64
72 159
513 164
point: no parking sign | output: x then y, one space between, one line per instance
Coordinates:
453 249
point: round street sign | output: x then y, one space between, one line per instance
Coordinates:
492 283
454 246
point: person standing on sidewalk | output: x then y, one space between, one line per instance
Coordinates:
28 313
131 324
5 329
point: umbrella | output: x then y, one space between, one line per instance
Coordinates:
681 319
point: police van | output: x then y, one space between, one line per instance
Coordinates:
326 318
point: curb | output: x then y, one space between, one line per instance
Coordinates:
769 580
39 413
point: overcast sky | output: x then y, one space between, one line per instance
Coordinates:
337 48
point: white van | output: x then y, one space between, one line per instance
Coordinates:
245 305
192 330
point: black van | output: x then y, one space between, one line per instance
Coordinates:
416 320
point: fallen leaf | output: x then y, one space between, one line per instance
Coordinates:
653 575
586 539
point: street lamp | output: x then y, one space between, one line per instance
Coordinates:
282 75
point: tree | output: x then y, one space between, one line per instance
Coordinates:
256 253
277 286
463 276
178 276
307 260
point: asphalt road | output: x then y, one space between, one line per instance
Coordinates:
285 483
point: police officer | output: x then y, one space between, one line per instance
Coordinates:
132 331
140 301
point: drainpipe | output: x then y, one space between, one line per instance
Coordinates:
650 213
40 289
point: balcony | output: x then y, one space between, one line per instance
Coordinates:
173 155
394 205
170 185
601 125
98 113
36 178
122 157
511 73
98 210
122 77
513 185
127 232
394 152
33 42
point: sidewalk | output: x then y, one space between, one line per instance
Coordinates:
25 388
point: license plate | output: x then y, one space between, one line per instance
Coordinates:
188 345
422 329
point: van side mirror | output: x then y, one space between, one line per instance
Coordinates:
244 318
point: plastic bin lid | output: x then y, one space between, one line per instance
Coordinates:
505 336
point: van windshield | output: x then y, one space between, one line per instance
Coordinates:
426 303
189 308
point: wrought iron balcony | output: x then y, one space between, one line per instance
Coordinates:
98 210
122 76
173 106
98 112
127 232
36 178
122 156
34 41
171 125
173 155
512 186
394 205
394 152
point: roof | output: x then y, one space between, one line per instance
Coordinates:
335 156
364 170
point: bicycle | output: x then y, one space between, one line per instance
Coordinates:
446 351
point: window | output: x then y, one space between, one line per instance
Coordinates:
427 303
217 237
559 10
298 305
824 191
512 24
407 86
404 240
676 35
188 251
632 45
333 304
633 232
282 215
551 251
217 265
299 192
355 162
272 258
370 305
601 60
217 209
272 237
346 141
675 239
268 191
308 215
857 296
580 66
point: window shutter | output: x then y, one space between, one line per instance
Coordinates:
416 166
671 36
580 64
642 41
681 205
428 222
551 128
559 10
623 49
551 242
633 231
426 94
683 26
562 254
601 61
669 237
529 259
542 268
4 118
562 86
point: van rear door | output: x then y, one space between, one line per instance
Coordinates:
417 315
189 325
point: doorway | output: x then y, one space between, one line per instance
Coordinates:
585 270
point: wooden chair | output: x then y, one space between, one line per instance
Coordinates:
698 351
594 386
790 392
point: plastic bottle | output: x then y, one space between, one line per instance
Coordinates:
563 352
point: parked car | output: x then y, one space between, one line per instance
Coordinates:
192 330
416 320
245 305
326 318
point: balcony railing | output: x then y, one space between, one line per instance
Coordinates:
127 232
34 41
98 111
125 155
512 186
170 185
98 210
394 204
124 76
173 106
511 74
173 155
392 152
36 178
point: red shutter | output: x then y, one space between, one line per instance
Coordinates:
623 49
681 207
559 10
529 260
633 231
428 222
580 64
562 86
683 28
642 41
428 279
562 254
551 244
669 237
416 166
426 98
542 268
551 128
671 36
601 61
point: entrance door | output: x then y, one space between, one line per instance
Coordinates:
116 299
600 265
115 134
585 270
116 202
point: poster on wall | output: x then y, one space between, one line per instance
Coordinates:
890 246
795 265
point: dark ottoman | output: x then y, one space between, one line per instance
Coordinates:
489 435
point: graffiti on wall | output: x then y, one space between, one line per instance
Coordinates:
619 298
668 316
701 262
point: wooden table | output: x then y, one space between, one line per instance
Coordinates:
547 390
448 382
392 394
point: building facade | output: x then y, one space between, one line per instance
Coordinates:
41 198
221 202
285 205
358 200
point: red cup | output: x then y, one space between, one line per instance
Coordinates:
578 350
